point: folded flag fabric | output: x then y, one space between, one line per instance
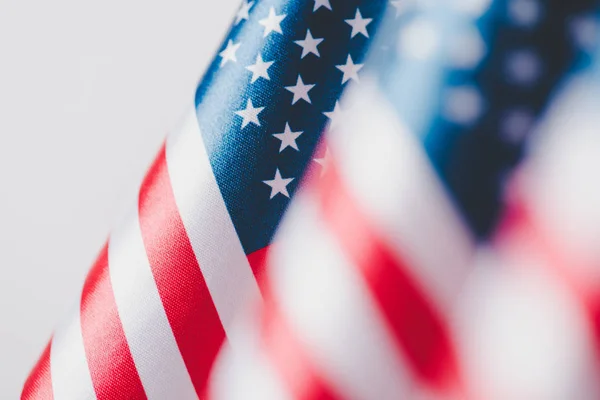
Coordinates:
365 295
160 300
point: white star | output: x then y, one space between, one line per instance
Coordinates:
243 11
229 53
323 161
321 3
335 116
288 138
300 91
420 39
350 70
525 12
465 49
583 31
523 67
273 22
309 45
359 24
279 185
515 124
259 69
463 105
250 114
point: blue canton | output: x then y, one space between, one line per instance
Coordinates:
261 106
471 78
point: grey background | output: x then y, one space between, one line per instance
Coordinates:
88 91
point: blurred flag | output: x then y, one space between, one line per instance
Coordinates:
160 299
366 295
541 279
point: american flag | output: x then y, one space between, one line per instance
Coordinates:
423 259
379 282
161 298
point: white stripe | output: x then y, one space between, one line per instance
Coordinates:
522 335
216 245
151 341
391 177
328 306
68 364
564 203
246 372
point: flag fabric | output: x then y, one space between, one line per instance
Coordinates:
368 286
160 300
542 274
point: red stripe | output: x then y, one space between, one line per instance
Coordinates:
419 329
258 263
109 359
39 383
183 291
289 356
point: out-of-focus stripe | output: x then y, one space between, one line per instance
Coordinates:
68 363
211 233
182 288
112 369
388 173
245 372
290 358
329 309
419 328
383 202
145 323
522 228
39 383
